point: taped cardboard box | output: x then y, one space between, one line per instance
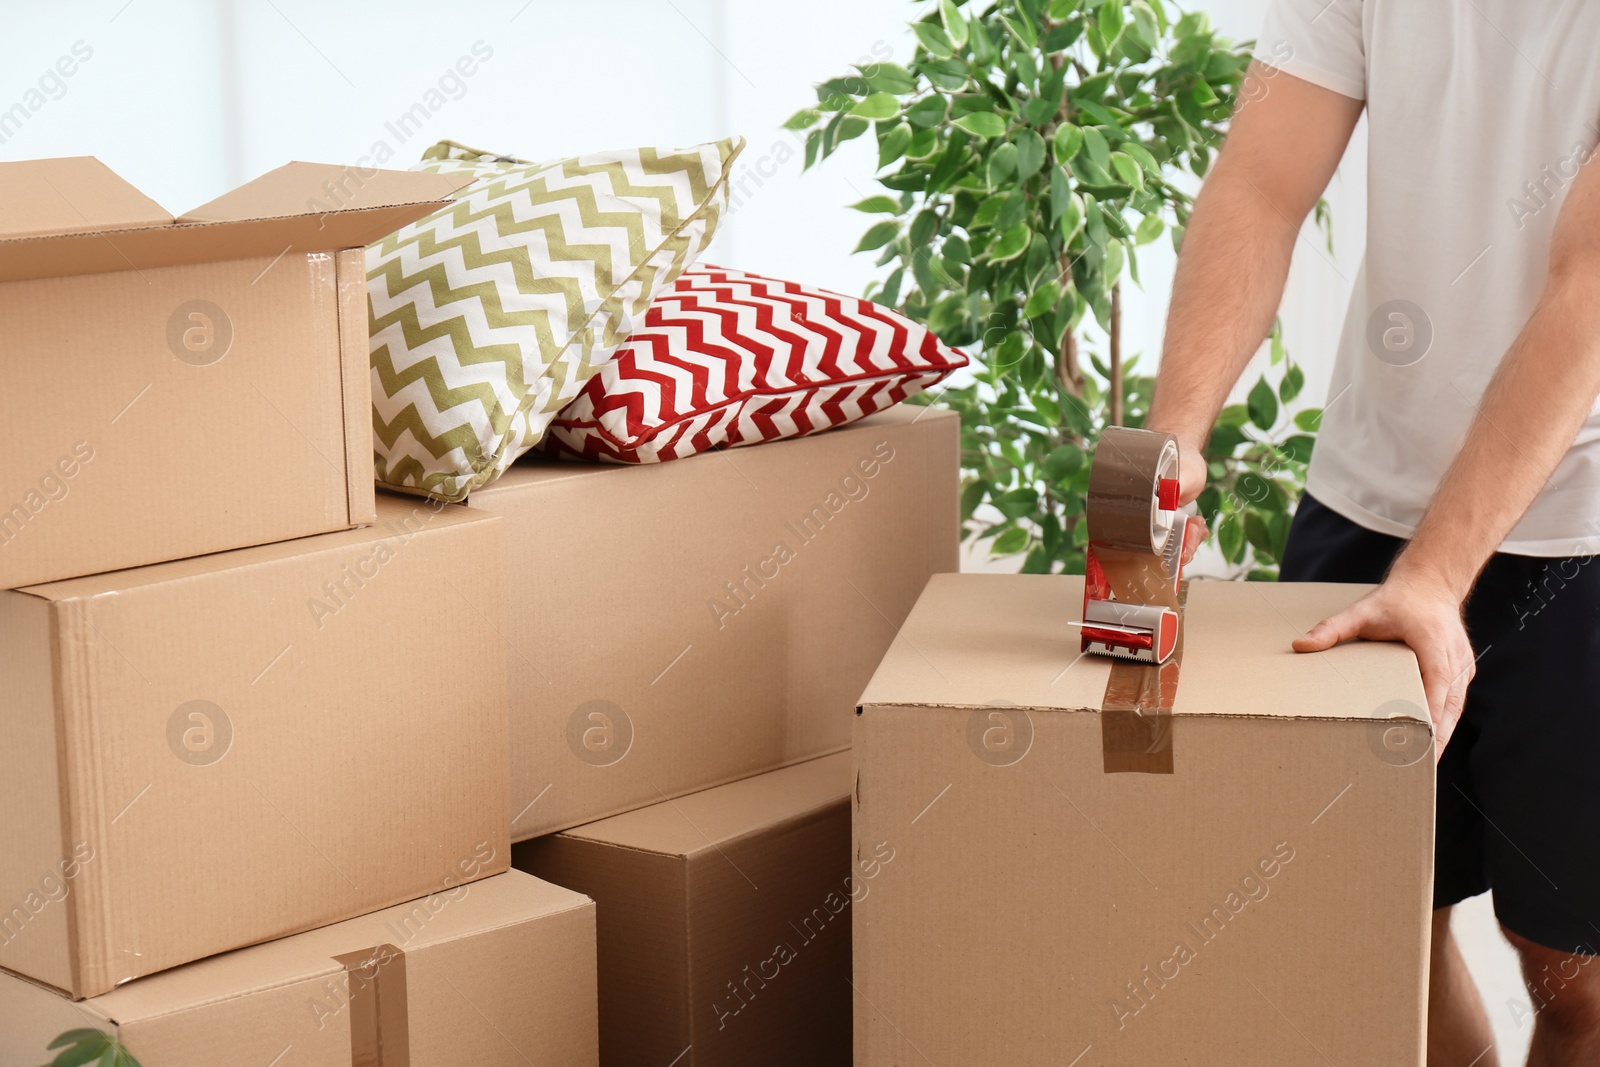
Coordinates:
1243 877
724 920
216 751
680 625
498 971
189 385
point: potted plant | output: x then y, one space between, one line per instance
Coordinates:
1028 151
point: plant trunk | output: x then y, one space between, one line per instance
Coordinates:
1068 373
1115 363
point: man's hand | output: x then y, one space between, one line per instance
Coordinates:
1425 615
1191 480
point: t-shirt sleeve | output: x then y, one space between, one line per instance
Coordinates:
1319 41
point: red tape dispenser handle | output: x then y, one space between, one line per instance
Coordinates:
1134 559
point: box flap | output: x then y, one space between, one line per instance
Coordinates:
470 910
78 194
1002 639
300 207
714 817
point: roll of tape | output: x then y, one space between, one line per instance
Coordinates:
1123 511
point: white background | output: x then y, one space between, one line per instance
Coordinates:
189 98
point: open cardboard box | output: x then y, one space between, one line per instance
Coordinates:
1245 879
211 752
178 386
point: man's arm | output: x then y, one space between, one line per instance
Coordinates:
1282 148
1532 410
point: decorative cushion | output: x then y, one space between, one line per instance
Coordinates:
489 315
727 358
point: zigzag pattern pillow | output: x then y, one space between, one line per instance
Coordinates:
727 358
488 316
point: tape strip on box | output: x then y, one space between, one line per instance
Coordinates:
1136 711
380 1031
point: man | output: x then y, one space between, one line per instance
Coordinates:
1459 456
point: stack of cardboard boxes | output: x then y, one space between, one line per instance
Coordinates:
246 704
269 737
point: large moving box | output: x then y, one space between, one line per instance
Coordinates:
212 752
1244 879
182 386
724 920
681 625
499 971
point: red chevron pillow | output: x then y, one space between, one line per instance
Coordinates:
727 358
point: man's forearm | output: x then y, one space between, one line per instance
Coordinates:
1229 281
1526 421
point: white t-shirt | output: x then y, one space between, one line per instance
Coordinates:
1479 113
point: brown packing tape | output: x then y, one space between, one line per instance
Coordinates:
1121 487
1136 711
380 1031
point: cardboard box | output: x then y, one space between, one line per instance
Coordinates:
724 920
681 625
1248 884
477 974
189 385
216 751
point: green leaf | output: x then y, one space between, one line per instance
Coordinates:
1011 244
1070 214
1294 380
893 145
1095 148
1299 447
934 40
927 112
878 205
923 227
1256 532
83 1051
878 236
877 106
1110 20
1063 463
1060 10
972 495
803 119
852 128
924 143
1002 164
1142 154
1022 30
890 78
1263 405
1309 420
1149 229
1230 539
1010 543
1069 139
955 27
73 1037
1041 300
982 124
1030 154
1129 171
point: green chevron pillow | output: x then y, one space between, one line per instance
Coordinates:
489 315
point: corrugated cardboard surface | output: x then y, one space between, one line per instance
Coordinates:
176 389
679 625
724 920
1031 890
498 971
349 752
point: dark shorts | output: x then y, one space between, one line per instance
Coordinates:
1519 784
